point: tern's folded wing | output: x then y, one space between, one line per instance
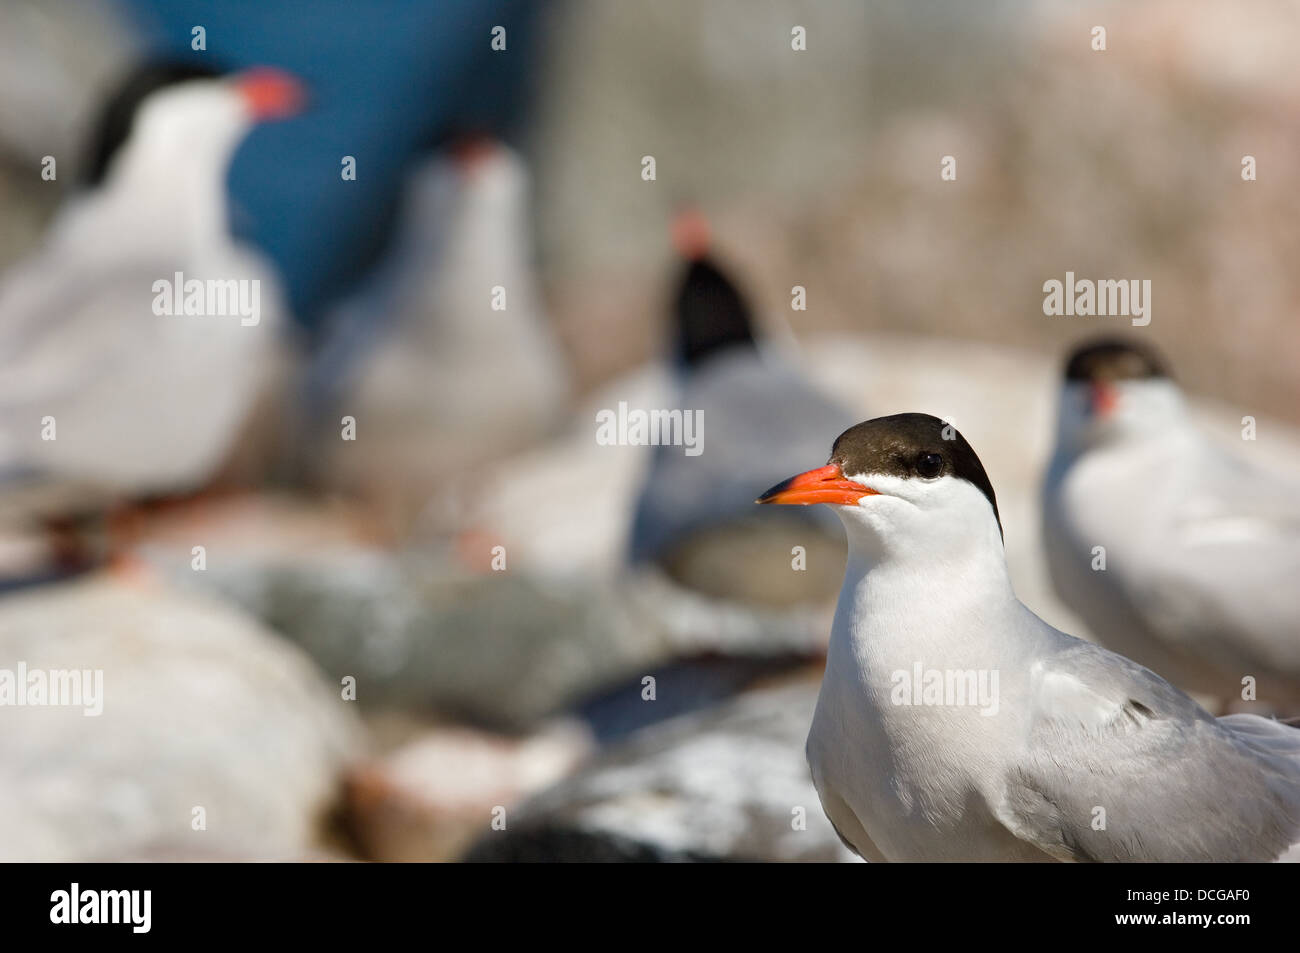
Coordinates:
1118 765
143 398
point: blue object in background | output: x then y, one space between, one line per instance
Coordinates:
386 79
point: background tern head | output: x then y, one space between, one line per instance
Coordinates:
168 116
1114 390
713 316
908 484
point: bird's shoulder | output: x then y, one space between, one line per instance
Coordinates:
1079 686
1117 764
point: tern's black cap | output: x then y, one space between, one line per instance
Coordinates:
118 113
1114 359
712 315
904 445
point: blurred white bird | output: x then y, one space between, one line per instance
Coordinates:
1201 550
465 366
760 416
954 724
101 395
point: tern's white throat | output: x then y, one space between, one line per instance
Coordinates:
925 563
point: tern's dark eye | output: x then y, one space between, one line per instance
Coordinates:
929 465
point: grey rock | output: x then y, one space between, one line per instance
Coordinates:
724 784
498 649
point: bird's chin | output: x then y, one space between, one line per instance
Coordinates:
863 519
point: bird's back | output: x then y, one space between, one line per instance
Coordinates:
1178 556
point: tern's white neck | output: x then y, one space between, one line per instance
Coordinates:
924 585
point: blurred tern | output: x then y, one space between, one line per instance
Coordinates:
1202 551
100 393
761 416
445 354
1080 755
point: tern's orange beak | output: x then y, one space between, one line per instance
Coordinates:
823 485
271 93
1104 398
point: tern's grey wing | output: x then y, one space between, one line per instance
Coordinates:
1219 584
1229 601
55 327
1202 553
140 400
763 421
1238 487
1121 766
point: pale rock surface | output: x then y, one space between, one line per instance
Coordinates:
202 707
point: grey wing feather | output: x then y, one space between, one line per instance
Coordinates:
143 401
1222 585
1121 766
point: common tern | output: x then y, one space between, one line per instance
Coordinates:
759 416
446 354
953 724
1173 551
134 343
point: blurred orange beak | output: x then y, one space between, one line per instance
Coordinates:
823 485
471 152
271 93
1104 398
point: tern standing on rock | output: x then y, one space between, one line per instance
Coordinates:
1080 755
1201 550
